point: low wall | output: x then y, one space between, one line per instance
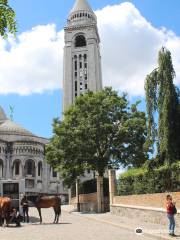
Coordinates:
91 197
88 202
144 214
147 207
157 200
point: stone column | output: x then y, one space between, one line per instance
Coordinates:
100 195
77 195
112 184
69 195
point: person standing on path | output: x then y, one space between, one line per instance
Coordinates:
25 207
171 211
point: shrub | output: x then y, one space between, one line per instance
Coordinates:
142 180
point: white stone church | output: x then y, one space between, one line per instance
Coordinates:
23 169
22 154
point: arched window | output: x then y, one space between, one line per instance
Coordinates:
16 168
30 167
54 173
39 169
1 168
80 41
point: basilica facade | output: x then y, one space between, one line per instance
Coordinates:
23 169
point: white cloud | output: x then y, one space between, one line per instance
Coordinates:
129 46
33 62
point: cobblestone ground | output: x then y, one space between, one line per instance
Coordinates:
70 227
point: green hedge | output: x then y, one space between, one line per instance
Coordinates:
142 180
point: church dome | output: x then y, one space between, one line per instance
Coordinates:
10 128
81 13
12 132
81 5
2 115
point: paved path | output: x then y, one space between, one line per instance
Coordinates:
157 231
71 227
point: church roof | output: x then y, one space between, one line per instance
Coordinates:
81 5
9 127
2 115
11 131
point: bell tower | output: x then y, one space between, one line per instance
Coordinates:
82 60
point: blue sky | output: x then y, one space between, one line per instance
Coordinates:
35 111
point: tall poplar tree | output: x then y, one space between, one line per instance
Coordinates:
162 98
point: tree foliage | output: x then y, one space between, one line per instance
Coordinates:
7 19
162 97
100 130
142 181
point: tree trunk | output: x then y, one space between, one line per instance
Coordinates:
100 194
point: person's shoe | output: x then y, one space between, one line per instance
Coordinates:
173 235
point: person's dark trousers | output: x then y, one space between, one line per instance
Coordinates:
25 214
17 221
171 223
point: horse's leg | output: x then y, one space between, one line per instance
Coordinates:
1 221
54 214
39 211
6 219
58 214
57 217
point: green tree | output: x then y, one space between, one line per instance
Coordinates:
98 131
7 19
61 152
162 98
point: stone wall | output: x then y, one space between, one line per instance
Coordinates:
91 197
144 214
88 202
157 200
148 207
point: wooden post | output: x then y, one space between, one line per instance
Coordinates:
112 184
100 194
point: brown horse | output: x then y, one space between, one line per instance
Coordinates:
5 208
47 202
